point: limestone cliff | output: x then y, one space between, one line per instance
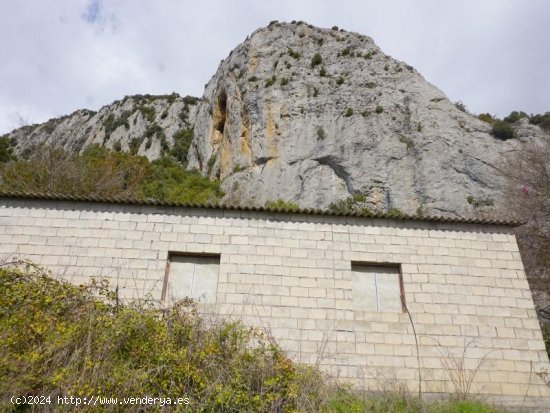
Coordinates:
317 115
143 124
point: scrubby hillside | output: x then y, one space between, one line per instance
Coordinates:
146 125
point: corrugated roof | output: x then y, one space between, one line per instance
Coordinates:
226 206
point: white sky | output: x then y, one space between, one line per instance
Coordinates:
62 55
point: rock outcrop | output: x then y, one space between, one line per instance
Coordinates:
313 116
143 124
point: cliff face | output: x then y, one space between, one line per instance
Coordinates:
143 124
317 115
312 116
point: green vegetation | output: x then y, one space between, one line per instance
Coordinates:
148 113
323 71
351 205
190 100
321 134
271 81
407 141
294 54
340 80
252 79
515 116
101 172
238 168
348 113
335 28
6 149
486 117
182 143
345 52
167 180
543 121
395 212
461 106
379 109
60 339
386 67
285 81
346 402
480 202
316 60
502 130
111 123
282 205
546 337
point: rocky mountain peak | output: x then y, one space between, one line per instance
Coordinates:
315 116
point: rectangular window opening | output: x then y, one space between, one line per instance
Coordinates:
191 276
377 287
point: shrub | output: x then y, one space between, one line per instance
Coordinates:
335 28
379 109
182 143
503 131
294 54
321 134
148 113
486 117
111 123
59 339
98 171
190 100
514 116
323 71
316 60
6 149
271 81
284 81
461 106
168 181
340 80
480 202
345 52
543 121
280 204
348 113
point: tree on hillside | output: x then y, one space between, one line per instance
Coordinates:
97 171
528 199
101 172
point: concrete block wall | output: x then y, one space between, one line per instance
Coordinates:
464 284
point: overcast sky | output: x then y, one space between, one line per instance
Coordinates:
58 56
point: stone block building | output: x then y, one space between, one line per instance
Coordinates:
374 300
